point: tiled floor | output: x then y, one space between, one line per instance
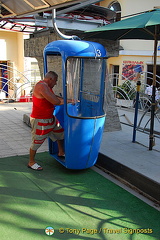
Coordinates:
14 133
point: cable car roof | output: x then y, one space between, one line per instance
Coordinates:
67 48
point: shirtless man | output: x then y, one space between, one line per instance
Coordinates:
44 124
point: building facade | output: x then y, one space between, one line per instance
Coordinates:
133 53
11 57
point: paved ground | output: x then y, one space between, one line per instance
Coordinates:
14 134
137 156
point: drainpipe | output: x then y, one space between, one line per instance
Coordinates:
66 37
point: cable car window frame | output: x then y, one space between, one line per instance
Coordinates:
103 74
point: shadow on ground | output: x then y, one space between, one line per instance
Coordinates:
77 204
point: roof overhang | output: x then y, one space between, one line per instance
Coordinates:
71 14
20 8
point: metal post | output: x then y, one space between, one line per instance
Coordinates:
151 135
136 111
73 37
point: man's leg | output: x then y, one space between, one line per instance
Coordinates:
32 164
60 147
37 141
57 134
31 157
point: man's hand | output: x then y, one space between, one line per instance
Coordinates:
73 101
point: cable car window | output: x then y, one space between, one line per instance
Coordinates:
85 86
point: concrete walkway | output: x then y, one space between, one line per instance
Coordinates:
14 134
137 156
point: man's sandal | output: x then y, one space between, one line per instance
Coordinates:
61 156
36 167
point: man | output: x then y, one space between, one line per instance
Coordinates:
43 123
148 91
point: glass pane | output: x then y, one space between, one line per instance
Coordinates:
85 86
73 79
92 70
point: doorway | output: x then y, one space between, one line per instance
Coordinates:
150 75
115 75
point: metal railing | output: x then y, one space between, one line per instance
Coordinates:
14 84
125 95
125 92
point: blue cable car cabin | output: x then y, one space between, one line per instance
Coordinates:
83 81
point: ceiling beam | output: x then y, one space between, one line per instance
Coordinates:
77 6
37 9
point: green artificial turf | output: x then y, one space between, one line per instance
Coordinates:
76 204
